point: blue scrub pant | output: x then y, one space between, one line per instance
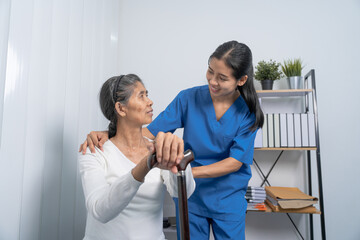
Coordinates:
222 229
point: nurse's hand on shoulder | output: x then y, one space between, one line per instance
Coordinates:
94 138
169 151
169 147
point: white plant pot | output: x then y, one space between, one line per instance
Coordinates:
296 82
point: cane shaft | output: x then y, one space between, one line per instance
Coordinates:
182 194
183 207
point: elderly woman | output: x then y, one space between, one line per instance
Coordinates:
124 196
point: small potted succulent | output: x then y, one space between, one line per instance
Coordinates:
292 70
267 73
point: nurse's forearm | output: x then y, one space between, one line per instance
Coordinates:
218 169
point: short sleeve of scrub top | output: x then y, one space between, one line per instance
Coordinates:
213 140
171 118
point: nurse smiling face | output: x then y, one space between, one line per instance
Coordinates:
222 83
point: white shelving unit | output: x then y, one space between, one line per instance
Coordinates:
309 95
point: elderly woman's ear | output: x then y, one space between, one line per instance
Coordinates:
120 109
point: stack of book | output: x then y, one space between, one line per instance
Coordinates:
255 196
289 199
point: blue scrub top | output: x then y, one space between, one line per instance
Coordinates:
212 141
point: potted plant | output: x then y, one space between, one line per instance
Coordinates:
267 73
292 70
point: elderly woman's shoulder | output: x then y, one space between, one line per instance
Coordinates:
99 154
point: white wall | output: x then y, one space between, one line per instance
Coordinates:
59 52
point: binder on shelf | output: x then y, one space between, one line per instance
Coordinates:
259 139
283 130
304 130
276 130
265 132
253 188
297 129
256 191
290 129
270 130
255 198
311 126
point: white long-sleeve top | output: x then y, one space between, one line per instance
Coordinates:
118 206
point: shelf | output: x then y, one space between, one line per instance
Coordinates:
307 98
307 210
286 149
283 92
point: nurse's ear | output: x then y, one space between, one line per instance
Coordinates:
120 109
242 80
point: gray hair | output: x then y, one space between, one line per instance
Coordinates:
116 89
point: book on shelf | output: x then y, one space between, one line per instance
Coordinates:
311 126
288 198
256 191
283 130
265 132
255 188
304 130
270 120
256 207
258 143
310 209
297 129
276 130
256 197
255 200
290 130
272 200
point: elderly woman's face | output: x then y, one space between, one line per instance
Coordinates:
138 108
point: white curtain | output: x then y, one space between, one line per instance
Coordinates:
54 56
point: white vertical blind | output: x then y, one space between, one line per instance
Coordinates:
4 33
56 56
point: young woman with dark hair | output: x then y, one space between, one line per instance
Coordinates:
220 121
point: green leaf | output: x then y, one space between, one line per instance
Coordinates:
268 70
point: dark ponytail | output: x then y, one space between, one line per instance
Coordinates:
116 89
238 57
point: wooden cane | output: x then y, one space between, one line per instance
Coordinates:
182 193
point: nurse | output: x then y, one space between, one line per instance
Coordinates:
220 121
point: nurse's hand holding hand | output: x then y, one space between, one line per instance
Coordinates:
169 148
